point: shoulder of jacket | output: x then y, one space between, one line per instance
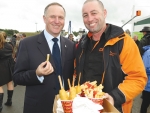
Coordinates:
147 36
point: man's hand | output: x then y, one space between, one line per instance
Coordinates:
109 98
45 68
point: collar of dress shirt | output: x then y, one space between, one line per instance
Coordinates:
49 37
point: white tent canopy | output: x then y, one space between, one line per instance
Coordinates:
77 38
140 23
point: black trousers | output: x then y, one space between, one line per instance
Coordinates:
145 102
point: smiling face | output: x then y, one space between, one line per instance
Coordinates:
54 19
94 16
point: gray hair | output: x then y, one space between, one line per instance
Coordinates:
54 3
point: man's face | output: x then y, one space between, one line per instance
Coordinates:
71 37
54 20
135 38
144 33
93 17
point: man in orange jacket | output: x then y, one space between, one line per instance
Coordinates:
109 56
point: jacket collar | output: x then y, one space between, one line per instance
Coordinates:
112 34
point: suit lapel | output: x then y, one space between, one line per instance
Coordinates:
63 50
44 48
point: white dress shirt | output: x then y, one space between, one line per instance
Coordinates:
49 38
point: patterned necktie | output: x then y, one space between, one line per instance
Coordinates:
57 60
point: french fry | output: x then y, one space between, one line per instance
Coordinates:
93 83
48 56
91 90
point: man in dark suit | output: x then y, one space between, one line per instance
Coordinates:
38 75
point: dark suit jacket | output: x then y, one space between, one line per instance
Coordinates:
39 97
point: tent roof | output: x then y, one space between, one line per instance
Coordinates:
145 20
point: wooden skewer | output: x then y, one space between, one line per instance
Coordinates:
73 81
79 78
69 83
61 86
48 56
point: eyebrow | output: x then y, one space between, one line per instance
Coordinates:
91 11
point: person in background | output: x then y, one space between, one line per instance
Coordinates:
143 45
135 38
76 41
18 37
128 32
40 76
12 40
23 35
110 56
146 91
145 40
6 60
71 37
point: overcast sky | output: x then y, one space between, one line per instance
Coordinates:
23 15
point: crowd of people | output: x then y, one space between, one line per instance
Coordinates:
144 47
8 50
106 54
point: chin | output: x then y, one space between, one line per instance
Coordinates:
57 31
92 30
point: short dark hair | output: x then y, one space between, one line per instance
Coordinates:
70 34
23 34
54 3
100 2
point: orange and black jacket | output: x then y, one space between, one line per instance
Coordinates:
124 75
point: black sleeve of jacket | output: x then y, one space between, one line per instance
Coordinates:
118 97
23 75
143 42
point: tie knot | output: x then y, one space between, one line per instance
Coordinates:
55 40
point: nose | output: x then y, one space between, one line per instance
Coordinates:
90 18
56 20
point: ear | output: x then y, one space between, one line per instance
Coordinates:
44 18
105 13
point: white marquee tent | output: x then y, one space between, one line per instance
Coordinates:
140 23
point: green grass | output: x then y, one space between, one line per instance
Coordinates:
30 33
139 34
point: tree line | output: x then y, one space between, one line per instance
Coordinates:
9 32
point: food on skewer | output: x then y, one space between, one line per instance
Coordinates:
78 87
72 91
88 89
62 93
73 81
